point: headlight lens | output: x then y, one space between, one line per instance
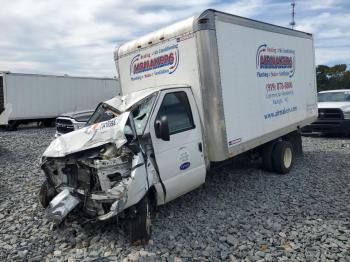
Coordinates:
346 114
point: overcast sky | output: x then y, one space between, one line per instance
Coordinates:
78 37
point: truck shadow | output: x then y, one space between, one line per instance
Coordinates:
21 127
324 135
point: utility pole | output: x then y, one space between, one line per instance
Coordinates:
292 23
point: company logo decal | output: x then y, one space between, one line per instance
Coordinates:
101 126
185 165
272 62
161 61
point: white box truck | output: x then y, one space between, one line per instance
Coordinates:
29 97
195 93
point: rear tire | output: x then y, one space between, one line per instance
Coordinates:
283 157
140 222
267 156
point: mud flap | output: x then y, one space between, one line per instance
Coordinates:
61 205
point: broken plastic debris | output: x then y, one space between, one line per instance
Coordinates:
61 205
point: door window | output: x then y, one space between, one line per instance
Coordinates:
141 113
176 108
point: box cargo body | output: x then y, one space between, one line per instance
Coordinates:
26 97
253 82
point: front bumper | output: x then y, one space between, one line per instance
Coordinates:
69 198
61 205
328 126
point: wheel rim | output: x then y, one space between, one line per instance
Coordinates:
288 156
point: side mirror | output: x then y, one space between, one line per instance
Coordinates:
161 128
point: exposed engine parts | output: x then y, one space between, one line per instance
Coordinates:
112 167
98 176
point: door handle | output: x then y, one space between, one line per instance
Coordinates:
200 147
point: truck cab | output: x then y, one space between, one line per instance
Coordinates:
148 144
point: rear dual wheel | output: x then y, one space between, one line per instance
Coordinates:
278 157
267 152
283 157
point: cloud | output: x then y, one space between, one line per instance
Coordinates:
332 36
79 37
318 5
248 8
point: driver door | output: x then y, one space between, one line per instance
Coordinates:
180 160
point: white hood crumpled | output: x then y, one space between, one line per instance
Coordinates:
111 131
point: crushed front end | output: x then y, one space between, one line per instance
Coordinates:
98 178
94 168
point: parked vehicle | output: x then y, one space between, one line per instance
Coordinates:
198 92
71 121
41 98
333 113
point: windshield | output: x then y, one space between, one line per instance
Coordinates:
102 113
334 97
141 113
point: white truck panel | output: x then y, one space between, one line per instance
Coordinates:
40 96
242 103
182 71
257 100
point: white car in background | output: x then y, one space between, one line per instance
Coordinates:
333 113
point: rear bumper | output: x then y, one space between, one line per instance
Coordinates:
328 126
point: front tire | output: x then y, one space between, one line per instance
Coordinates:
283 157
140 222
46 194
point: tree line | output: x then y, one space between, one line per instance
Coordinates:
332 77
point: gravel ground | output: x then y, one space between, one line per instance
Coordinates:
242 213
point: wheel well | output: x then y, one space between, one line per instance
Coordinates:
295 139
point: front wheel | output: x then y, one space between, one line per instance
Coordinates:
283 157
46 194
140 221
